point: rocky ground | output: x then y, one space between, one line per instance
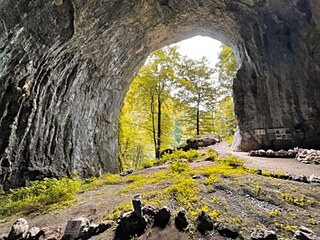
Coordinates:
241 200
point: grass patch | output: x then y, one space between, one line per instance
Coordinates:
106 179
180 190
41 196
298 199
178 155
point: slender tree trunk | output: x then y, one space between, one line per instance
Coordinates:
154 126
198 115
159 125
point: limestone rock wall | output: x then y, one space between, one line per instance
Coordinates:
66 65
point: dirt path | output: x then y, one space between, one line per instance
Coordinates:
288 165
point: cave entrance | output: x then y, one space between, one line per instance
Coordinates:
65 75
183 90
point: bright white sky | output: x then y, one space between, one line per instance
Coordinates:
198 47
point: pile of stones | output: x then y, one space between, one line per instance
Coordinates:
308 156
273 154
135 224
131 225
20 230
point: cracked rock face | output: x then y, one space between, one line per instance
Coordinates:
66 65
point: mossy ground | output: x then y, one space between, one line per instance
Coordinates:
223 188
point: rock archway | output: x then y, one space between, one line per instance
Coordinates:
66 66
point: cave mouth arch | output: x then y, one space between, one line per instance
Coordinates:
64 75
138 123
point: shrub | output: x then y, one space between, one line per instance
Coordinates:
40 196
177 155
231 161
179 167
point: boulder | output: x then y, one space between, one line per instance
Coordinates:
254 153
104 226
3 237
228 231
261 152
281 154
263 234
149 213
181 220
308 156
127 172
34 233
19 229
162 217
270 153
305 234
204 222
52 234
129 224
203 141
315 178
95 229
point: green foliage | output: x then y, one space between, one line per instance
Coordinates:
232 161
106 179
178 155
179 167
40 196
298 200
227 68
224 119
196 94
171 99
211 155
147 117
177 187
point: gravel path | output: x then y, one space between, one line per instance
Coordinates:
288 165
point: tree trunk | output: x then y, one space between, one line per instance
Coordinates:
159 127
198 115
155 142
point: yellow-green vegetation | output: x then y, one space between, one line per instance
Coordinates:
274 213
41 196
297 199
178 155
106 179
179 167
257 189
225 166
180 189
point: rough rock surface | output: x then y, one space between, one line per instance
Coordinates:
181 220
308 156
19 229
203 141
129 225
65 67
162 217
204 222
263 234
305 234
276 154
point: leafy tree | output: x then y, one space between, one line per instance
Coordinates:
151 98
224 119
196 92
225 122
227 69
